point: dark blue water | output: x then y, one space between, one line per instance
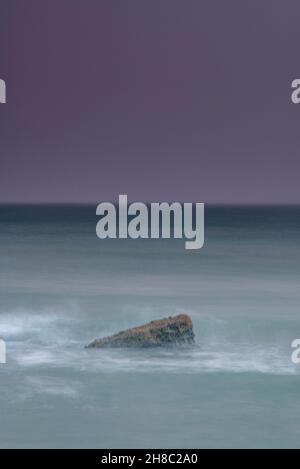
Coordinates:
60 287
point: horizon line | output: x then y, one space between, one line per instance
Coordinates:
211 204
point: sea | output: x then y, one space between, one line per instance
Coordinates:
61 287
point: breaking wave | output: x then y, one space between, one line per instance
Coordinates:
56 340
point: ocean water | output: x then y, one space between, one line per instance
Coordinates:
61 287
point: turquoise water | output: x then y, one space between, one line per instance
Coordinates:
61 287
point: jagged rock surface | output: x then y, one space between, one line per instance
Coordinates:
174 330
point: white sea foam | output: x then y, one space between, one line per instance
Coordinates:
23 324
53 339
194 360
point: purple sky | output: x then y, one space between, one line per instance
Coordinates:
160 99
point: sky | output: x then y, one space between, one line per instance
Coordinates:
163 100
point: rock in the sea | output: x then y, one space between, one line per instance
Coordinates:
174 330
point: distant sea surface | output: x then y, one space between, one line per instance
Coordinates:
61 287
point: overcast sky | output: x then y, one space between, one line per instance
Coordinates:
159 99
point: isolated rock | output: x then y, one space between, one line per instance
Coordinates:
174 330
